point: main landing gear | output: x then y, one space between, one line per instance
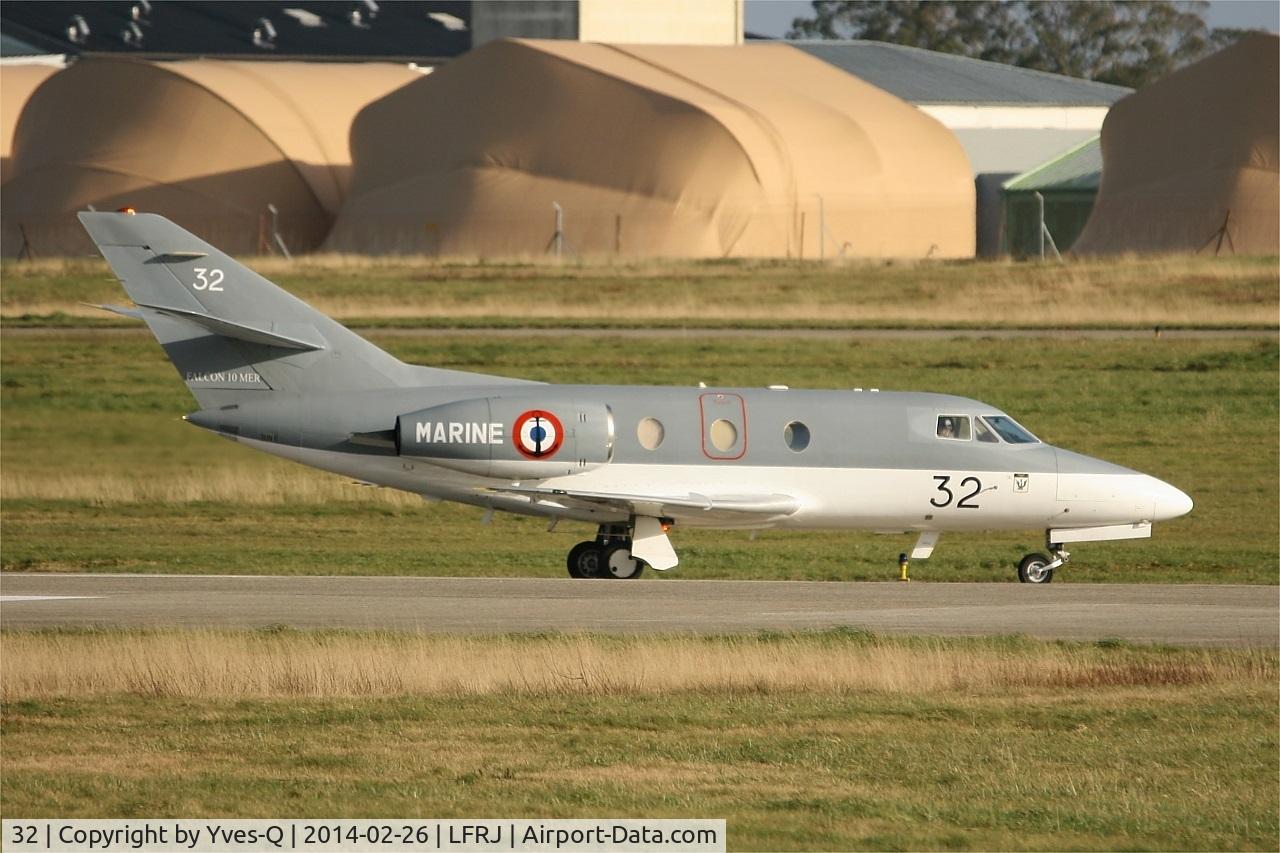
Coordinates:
1037 568
607 556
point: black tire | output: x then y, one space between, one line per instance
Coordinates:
584 560
616 562
1032 569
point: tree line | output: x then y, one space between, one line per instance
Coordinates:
1127 43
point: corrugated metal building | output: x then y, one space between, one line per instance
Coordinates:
1060 194
1008 119
425 31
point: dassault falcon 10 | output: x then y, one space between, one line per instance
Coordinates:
274 374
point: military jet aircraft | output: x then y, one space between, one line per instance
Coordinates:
274 374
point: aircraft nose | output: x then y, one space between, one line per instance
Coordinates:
1082 478
1171 502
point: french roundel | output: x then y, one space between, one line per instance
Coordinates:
538 434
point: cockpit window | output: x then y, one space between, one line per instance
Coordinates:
1010 430
955 427
984 432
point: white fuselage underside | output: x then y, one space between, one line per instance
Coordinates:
834 498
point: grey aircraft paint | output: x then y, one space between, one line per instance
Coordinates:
273 373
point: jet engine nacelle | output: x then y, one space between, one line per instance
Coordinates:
523 437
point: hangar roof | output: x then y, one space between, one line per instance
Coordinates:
1079 168
929 77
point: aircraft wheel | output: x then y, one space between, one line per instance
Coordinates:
584 560
1033 569
616 562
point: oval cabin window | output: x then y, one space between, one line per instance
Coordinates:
796 435
650 432
724 435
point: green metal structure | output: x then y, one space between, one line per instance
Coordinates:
1052 201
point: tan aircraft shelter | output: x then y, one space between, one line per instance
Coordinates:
1192 162
208 143
693 151
17 82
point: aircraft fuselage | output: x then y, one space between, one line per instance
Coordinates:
873 460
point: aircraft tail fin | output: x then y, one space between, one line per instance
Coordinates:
232 334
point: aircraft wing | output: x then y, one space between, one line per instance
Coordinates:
649 540
662 506
240 331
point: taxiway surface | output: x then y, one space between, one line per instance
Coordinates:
1182 614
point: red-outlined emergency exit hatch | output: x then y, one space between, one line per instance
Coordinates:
724 426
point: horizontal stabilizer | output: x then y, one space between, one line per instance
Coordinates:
239 331
116 309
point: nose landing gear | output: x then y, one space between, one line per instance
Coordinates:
1037 568
607 556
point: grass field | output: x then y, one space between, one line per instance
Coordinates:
282 663
829 740
1128 292
100 474
834 740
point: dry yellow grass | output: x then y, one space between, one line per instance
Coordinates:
1170 290
44 308
243 664
1126 290
262 485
